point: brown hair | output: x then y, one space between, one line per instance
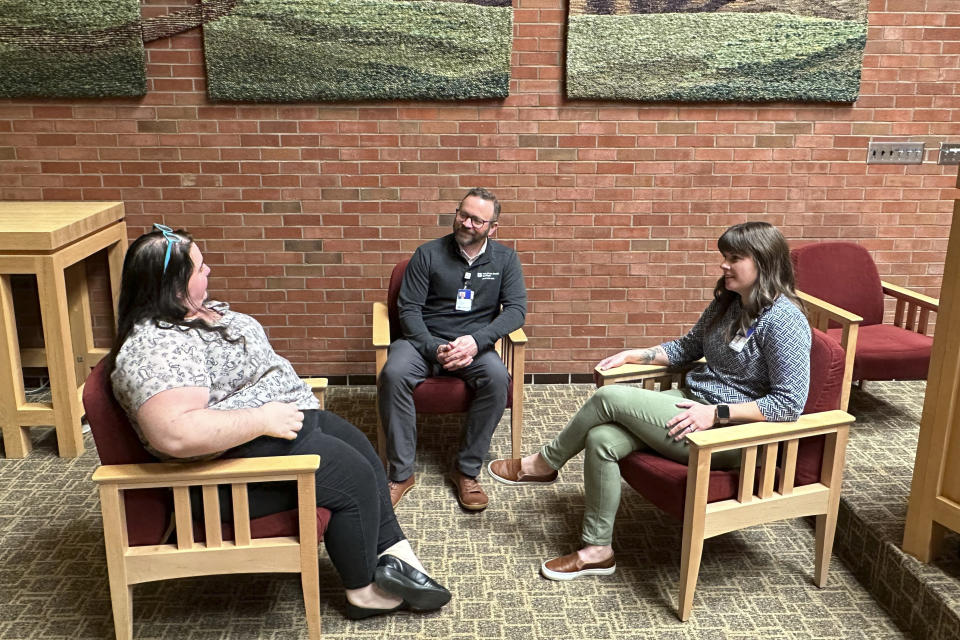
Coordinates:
483 194
766 245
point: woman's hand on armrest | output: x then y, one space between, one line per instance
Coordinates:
653 355
178 423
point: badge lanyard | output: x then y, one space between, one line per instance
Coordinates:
465 295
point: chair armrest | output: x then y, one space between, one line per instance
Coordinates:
517 337
381 325
908 295
628 372
318 387
824 312
753 434
638 372
913 309
168 474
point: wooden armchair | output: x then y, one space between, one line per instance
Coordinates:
799 473
139 515
844 275
446 394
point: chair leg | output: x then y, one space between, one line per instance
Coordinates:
826 530
690 556
121 598
516 431
310 580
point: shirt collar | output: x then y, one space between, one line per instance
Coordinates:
470 260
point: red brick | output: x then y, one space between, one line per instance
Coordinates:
624 200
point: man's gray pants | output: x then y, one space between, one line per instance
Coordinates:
404 370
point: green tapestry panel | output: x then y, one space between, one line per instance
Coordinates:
71 48
732 55
308 50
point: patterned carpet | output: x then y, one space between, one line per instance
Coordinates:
753 583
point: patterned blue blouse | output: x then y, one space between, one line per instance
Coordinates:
772 368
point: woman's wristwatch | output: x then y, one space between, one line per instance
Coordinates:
723 414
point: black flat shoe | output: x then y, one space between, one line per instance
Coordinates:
418 590
359 613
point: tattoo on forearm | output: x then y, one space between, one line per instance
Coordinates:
647 356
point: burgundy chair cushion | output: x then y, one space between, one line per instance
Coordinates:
440 394
886 352
284 523
843 274
664 482
149 510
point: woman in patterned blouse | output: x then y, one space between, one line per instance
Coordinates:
200 381
756 342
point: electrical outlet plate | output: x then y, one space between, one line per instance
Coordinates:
949 153
895 153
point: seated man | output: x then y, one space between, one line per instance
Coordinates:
460 294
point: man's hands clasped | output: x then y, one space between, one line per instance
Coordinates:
457 354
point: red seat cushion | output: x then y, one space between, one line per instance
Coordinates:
446 394
886 352
275 525
664 482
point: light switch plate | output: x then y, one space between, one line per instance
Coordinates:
895 153
949 153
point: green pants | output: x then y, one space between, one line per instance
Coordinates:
614 422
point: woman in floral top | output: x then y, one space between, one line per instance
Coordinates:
756 342
200 381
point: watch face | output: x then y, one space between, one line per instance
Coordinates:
723 412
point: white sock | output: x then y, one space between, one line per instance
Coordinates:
404 551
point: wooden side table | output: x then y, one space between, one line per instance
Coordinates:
50 240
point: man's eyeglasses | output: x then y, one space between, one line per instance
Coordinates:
171 238
474 220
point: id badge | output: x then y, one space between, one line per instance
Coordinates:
740 341
464 299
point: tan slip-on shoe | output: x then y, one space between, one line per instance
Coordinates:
571 566
470 494
399 489
508 471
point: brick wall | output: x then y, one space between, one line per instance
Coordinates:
614 207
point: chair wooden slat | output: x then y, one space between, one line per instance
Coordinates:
899 313
241 514
768 469
748 469
211 516
183 518
789 467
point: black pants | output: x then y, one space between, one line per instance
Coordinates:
351 483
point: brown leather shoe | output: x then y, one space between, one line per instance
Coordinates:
399 489
470 494
508 471
571 566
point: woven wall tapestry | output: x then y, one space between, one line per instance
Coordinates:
308 50
716 50
71 48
